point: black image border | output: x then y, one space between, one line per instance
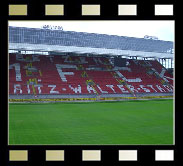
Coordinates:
109 153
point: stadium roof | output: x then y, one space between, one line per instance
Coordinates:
21 38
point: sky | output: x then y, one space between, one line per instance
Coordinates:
162 29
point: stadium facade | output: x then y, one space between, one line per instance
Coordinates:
47 63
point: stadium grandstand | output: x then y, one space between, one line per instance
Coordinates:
46 63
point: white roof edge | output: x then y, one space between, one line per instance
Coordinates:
89 50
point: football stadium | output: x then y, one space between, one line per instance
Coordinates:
78 88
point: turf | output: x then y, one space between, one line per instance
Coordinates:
126 122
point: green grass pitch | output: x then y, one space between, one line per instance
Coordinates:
102 123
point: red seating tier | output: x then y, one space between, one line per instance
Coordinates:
44 74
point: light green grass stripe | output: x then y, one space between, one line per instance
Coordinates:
102 123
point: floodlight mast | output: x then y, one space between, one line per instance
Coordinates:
52 27
151 37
